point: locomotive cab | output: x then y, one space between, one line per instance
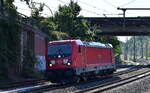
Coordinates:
60 59
59 55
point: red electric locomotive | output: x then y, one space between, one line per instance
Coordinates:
76 59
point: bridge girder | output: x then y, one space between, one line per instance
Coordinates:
134 26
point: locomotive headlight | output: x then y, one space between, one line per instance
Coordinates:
68 64
50 65
67 61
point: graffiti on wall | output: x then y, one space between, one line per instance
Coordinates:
41 63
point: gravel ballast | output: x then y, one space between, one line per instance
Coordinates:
139 86
116 90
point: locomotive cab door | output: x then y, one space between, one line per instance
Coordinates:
82 55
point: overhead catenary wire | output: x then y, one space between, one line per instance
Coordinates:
99 14
127 3
48 9
93 12
94 6
86 10
62 2
105 1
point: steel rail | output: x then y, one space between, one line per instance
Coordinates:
22 83
114 84
51 88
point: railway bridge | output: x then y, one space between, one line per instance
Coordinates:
114 25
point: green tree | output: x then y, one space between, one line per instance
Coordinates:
9 41
46 25
68 20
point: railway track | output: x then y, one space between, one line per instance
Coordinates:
51 87
34 89
75 84
36 81
114 84
134 68
22 83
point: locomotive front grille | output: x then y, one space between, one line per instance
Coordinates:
60 73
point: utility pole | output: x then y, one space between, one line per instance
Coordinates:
124 14
146 50
142 48
126 50
134 59
124 20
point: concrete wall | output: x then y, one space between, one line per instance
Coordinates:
39 46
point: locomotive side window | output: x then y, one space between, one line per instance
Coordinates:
79 49
61 50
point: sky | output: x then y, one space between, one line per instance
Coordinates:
93 8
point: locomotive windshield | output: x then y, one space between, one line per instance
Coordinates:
59 51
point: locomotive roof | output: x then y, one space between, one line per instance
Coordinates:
97 44
92 44
79 42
